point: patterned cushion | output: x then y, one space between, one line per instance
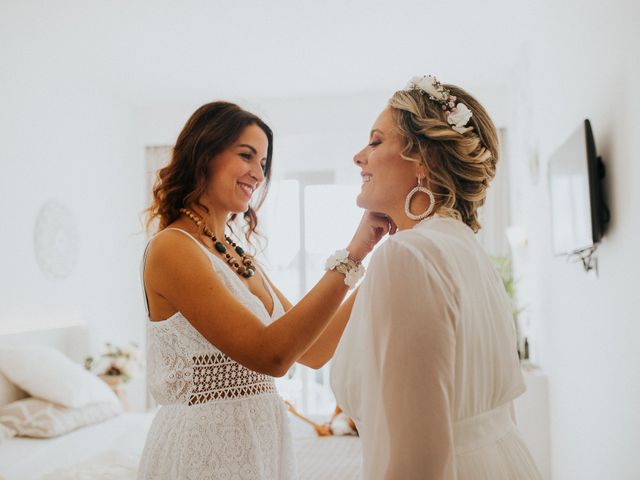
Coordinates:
6 433
37 418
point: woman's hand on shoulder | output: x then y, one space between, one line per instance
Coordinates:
373 226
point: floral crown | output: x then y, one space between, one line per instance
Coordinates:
458 115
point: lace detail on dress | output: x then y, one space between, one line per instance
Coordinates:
219 420
216 376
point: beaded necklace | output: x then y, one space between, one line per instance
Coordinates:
247 269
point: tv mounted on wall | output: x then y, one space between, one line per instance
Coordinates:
578 211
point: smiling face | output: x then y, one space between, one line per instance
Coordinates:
237 172
387 178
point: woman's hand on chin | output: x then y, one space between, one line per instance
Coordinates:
371 229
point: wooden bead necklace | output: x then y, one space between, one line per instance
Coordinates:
247 268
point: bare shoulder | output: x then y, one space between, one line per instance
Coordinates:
172 253
165 243
168 239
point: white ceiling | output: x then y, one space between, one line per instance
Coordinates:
151 52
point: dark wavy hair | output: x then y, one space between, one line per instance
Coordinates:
211 129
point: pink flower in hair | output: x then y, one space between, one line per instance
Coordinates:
458 115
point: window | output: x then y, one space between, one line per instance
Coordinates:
305 220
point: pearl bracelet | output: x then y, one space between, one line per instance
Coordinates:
341 262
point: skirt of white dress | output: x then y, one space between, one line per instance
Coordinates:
240 439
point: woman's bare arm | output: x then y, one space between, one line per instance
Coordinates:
179 271
321 351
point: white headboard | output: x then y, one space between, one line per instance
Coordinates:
71 340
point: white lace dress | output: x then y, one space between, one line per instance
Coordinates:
218 419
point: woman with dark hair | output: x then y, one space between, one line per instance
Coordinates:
218 331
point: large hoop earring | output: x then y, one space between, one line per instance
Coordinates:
407 203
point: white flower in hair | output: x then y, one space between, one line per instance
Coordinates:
429 85
459 117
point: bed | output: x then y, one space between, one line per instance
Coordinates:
111 449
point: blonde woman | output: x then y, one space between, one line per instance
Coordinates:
427 365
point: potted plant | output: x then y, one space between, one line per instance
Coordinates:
504 268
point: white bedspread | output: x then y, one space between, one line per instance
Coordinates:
116 444
328 458
111 450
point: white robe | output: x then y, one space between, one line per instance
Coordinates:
427 366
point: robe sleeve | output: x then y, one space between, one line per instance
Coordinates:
413 315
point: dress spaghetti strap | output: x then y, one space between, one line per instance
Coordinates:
144 290
144 261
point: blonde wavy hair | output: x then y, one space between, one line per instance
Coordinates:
459 166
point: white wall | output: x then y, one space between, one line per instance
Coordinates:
312 132
64 137
84 87
582 61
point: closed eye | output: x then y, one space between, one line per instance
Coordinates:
375 144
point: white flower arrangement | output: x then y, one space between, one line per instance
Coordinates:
458 114
429 85
121 362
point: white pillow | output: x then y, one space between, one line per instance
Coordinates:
48 374
8 391
36 418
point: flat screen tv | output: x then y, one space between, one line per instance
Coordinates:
578 211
